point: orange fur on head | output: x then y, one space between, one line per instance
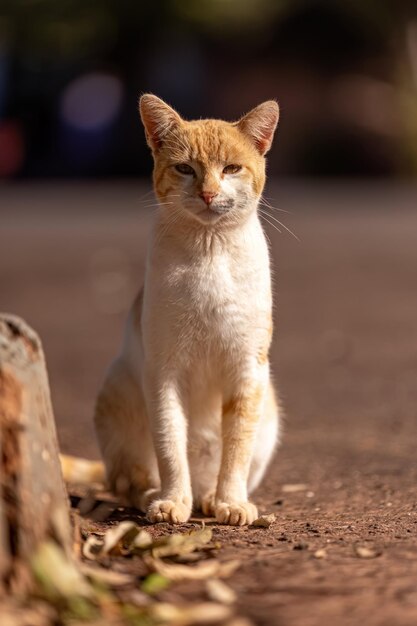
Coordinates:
208 147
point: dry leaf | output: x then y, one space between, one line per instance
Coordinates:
154 583
203 613
176 572
108 576
218 591
190 558
228 568
127 537
142 540
264 521
92 547
58 575
294 488
200 571
180 544
119 538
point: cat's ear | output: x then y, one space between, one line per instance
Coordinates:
260 124
158 119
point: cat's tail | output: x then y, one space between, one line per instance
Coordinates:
82 471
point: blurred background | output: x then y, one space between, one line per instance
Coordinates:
76 207
344 72
75 203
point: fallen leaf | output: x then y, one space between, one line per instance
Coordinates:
190 558
264 521
228 568
92 547
180 544
57 575
142 540
218 591
119 538
294 488
108 576
154 583
200 571
203 613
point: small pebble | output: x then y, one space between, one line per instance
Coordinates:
294 488
320 553
264 521
366 553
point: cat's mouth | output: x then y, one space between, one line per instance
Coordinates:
209 213
209 216
213 213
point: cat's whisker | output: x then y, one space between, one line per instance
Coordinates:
272 217
156 205
270 206
172 219
156 201
270 223
145 195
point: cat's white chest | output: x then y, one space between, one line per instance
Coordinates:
216 303
215 290
208 307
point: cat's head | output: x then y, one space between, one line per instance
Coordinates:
210 169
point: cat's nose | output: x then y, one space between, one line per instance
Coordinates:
208 196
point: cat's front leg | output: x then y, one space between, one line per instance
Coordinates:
241 416
169 432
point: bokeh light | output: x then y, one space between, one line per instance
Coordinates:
92 101
12 150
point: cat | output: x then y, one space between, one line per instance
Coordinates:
187 414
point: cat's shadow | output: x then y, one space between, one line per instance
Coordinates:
102 507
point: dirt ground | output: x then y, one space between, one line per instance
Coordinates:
345 362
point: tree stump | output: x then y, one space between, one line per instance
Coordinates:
33 499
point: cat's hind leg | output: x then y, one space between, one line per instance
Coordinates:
125 439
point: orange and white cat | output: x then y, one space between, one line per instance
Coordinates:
187 413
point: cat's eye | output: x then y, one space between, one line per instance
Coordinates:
232 169
184 168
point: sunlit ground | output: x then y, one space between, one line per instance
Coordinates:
344 355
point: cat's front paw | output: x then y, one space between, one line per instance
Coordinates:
171 511
236 513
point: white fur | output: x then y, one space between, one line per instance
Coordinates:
206 311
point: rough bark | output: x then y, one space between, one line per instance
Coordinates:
33 499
